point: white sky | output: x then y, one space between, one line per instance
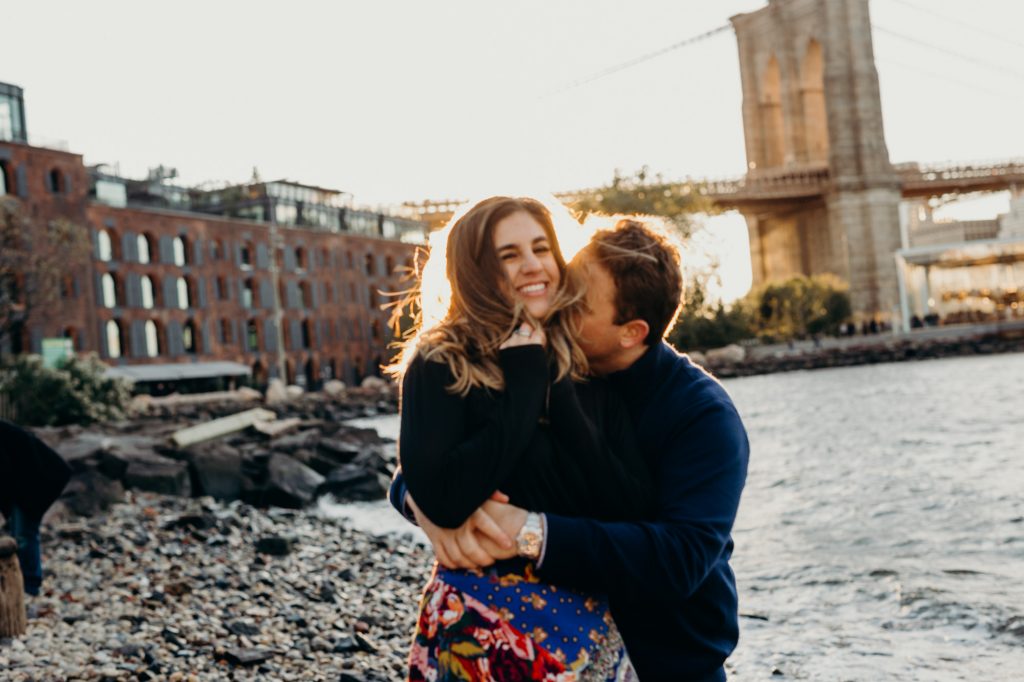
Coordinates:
410 99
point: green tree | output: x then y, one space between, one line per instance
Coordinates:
76 392
647 194
34 261
798 307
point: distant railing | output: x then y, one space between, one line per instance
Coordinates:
7 408
917 174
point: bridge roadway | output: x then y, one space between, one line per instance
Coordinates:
798 184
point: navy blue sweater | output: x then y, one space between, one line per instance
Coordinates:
672 592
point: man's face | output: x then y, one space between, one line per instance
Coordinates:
599 335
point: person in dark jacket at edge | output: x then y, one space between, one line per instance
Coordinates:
671 589
32 476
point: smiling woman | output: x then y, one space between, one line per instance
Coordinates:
491 401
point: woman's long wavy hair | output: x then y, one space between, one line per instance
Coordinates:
478 315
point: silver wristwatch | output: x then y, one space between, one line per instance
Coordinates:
530 538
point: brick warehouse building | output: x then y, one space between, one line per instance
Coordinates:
186 283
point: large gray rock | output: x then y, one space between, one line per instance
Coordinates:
159 475
290 483
728 355
276 393
90 492
217 470
353 483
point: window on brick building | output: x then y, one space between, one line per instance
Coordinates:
113 330
373 297
143 241
104 246
252 336
217 249
72 333
190 338
183 293
5 177
389 266
55 181
222 288
247 293
180 252
246 255
225 332
300 258
152 339
146 290
349 261
109 286
307 333
307 295
371 267
376 331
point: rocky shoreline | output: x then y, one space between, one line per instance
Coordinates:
735 361
171 588
290 452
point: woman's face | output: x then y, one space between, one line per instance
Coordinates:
529 263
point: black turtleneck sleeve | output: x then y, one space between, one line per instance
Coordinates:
452 461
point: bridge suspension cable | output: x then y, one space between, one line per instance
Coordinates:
960 55
941 76
622 66
960 22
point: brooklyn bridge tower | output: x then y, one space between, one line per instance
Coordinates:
820 193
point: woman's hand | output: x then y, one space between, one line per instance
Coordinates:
461 547
525 335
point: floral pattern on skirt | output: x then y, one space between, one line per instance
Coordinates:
504 624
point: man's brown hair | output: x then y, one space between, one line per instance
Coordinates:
646 268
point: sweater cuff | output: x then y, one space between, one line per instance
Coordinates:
559 555
530 359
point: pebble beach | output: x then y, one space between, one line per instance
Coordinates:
171 588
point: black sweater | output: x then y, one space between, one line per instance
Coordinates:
560 447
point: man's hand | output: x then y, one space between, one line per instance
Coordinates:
509 519
461 547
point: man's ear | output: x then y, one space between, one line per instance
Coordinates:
633 333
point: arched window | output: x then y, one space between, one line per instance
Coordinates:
190 338
183 300
142 242
812 92
146 285
109 290
152 339
113 339
55 181
5 177
246 255
371 268
179 251
307 294
307 333
247 293
103 244
300 258
774 152
252 336
72 333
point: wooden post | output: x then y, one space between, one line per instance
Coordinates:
12 590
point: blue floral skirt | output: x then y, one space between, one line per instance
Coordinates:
505 624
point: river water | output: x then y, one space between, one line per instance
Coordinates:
881 532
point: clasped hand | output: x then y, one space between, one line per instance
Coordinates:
485 537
